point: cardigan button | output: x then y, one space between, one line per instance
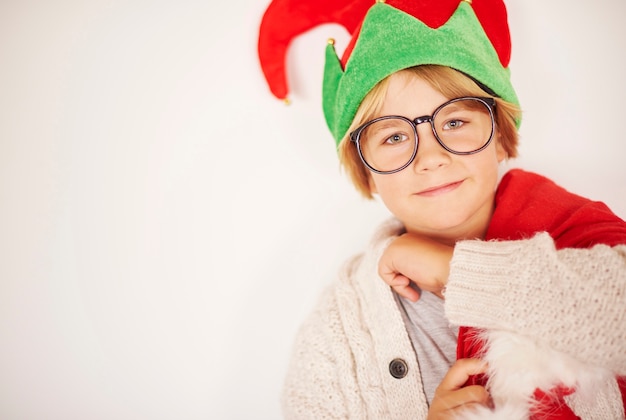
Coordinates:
398 368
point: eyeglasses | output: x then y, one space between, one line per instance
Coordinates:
462 126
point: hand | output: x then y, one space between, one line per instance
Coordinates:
414 258
451 397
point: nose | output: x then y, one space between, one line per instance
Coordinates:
430 154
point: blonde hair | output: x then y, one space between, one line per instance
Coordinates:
451 84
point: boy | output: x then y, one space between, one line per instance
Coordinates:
423 112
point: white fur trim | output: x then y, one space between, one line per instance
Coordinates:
518 366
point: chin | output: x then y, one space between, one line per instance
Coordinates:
447 225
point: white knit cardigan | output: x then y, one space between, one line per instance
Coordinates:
556 301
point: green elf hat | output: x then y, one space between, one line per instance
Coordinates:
471 36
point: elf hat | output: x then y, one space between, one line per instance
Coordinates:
471 36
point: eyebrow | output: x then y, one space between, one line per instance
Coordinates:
385 124
388 122
454 107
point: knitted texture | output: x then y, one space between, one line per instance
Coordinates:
529 287
579 317
341 356
558 315
527 203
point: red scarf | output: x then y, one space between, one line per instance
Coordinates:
526 204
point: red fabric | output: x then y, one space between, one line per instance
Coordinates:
621 382
490 13
552 405
469 345
493 18
286 19
526 204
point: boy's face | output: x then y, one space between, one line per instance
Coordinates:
440 194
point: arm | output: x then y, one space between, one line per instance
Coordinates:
412 258
573 299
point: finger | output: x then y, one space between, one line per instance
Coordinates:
474 394
407 292
460 372
388 272
463 411
398 280
401 285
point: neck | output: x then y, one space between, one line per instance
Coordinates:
475 228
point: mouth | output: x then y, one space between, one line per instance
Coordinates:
440 189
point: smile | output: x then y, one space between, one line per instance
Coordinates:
440 189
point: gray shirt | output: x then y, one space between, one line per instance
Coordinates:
434 339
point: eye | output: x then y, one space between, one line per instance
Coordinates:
453 124
396 138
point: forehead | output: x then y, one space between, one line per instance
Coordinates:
409 95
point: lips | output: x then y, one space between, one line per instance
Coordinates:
440 189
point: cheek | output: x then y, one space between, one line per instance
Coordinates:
489 160
489 170
391 189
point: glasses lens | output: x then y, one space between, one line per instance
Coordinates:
464 125
388 144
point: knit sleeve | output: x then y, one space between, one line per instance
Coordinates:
572 299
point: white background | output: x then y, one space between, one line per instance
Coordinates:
166 224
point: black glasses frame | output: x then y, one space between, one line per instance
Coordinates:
355 136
